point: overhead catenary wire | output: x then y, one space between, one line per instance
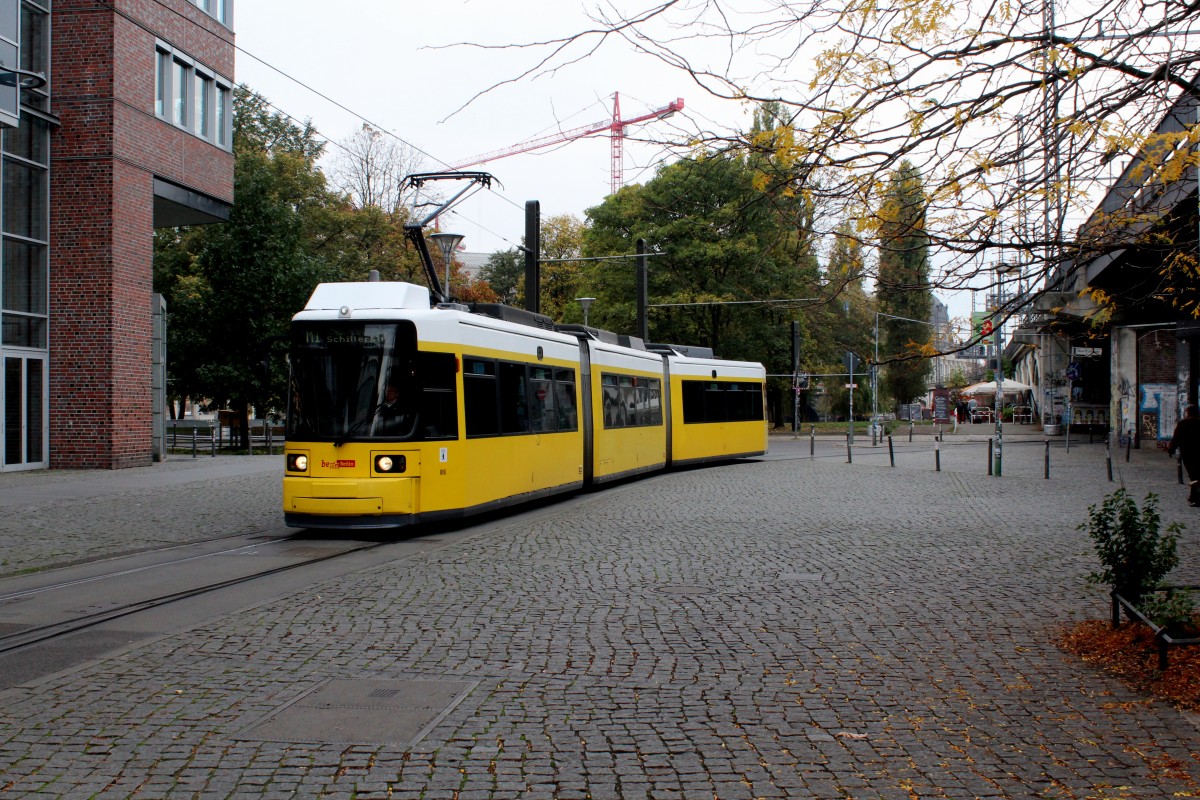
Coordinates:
323 137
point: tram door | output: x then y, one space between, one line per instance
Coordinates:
24 412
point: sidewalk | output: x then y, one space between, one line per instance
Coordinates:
791 627
59 517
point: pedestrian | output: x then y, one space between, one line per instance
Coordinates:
1186 440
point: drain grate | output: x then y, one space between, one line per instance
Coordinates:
399 712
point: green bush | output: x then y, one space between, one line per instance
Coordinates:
1134 555
1174 611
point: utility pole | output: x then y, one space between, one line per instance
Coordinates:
795 378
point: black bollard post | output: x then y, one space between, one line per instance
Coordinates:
989 456
910 429
891 452
1128 446
1047 474
193 441
849 455
1108 456
937 456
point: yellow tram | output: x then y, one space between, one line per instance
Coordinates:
400 412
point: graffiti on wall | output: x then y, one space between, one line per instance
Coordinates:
1157 412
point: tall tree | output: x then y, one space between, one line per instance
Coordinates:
370 166
722 244
505 272
236 285
1016 114
905 302
561 240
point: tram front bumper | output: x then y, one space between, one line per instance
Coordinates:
316 497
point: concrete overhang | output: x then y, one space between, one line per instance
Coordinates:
176 206
1065 304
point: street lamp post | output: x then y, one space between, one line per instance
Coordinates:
447 243
586 303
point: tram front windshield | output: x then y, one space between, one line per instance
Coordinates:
356 380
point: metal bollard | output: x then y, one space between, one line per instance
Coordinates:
937 456
193 442
1108 457
849 455
1128 446
1047 472
891 452
989 456
910 429
812 441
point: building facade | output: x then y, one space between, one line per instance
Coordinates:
131 131
1134 366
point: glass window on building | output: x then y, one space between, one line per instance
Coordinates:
24 259
35 51
179 82
203 98
162 82
223 115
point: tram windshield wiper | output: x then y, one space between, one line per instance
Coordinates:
358 426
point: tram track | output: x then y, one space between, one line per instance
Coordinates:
29 637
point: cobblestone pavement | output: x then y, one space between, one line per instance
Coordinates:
55 518
793 627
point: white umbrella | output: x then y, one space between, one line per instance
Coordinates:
989 387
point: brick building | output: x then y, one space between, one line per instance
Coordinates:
131 131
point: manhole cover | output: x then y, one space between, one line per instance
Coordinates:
399 712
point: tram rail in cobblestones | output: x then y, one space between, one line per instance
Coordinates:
29 637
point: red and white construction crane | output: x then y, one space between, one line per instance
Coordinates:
615 127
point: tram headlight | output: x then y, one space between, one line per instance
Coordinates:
297 462
390 464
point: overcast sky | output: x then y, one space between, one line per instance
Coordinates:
392 63
385 61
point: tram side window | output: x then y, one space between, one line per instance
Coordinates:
631 401
541 399
439 407
514 398
564 391
507 398
650 400
480 397
614 412
721 401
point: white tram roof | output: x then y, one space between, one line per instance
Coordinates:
386 300
370 296
373 301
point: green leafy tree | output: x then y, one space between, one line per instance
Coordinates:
562 238
722 241
1005 107
505 273
232 288
903 287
